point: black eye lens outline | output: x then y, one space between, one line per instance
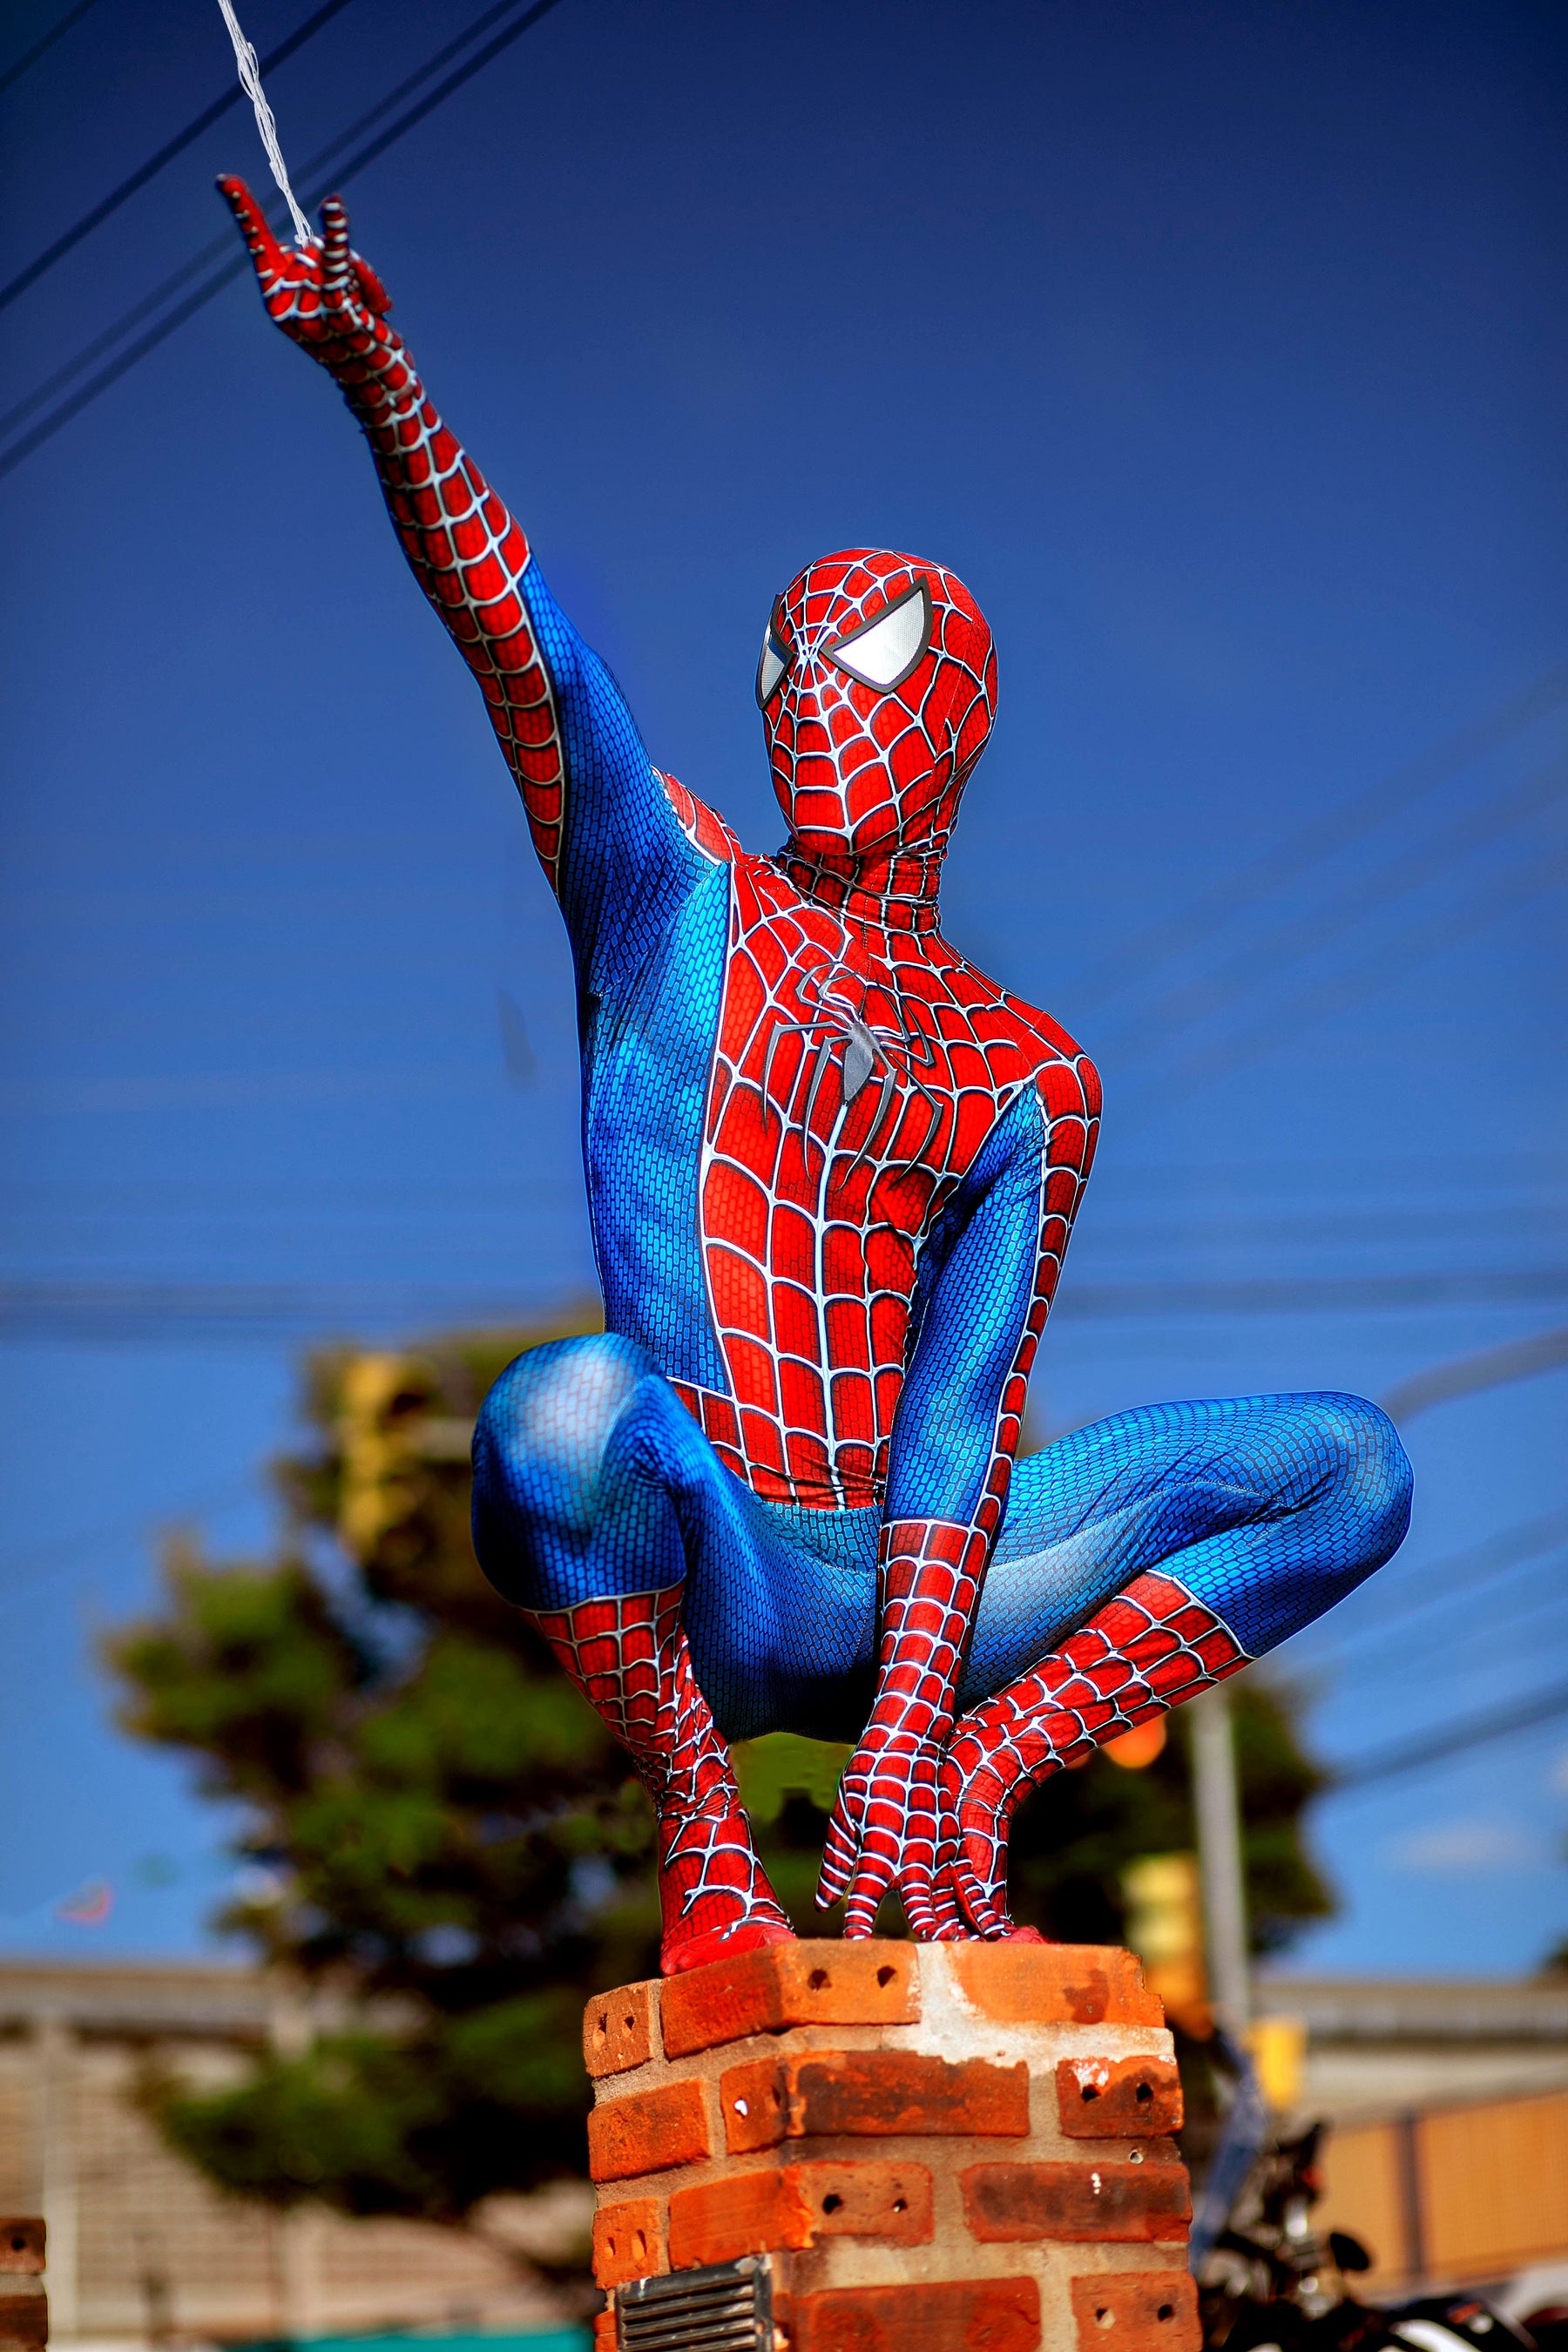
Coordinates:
776 645
836 654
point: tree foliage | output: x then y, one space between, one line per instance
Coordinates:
441 1833
438 1824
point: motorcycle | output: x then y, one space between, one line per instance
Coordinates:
1270 2281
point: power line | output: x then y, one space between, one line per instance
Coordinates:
218 1201
1363 895
1317 1294
221 248
1501 1169
1460 1654
1324 834
1441 1581
41 48
1428 1590
46 1560
1205 1065
156 1309
68 243
1470 1731
1491 1368
314 190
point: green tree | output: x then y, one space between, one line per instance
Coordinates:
438 1825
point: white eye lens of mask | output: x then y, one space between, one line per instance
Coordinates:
772 667
885 652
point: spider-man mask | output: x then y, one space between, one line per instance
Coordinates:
877 687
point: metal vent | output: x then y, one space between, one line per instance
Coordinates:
728 2308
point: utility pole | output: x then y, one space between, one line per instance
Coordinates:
55 2055
1217 1807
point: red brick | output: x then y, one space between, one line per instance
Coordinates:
648 2131
957 2316
1053 1984
1089 2204
745 2213
1118 2098
752 2100
25 2319
876 2093
1137 2311
818 1982
617 2029
628 2242
22 2243
604 2333
776 2207
890 2201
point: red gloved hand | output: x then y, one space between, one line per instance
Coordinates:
886 1827
325 297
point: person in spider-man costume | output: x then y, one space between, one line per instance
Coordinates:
832 1169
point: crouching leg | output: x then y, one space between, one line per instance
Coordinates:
1179 1542
587 1484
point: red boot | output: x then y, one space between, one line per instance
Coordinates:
627 1656
1147 1650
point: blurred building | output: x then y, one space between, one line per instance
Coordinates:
1448 2155
1378 2045
1421 2079
141 2248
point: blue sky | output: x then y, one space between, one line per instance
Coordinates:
1221 348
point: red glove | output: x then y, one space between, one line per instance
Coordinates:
886 1827
325 297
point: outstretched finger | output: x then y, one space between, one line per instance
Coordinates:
256 230
919 1892
839 1852
373 293
952 1924
916 1878
337 261
918 1885
840 1847
972 1890
872 1879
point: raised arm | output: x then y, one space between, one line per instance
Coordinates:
987 1276
607 833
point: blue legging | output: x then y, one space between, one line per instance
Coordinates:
590 1477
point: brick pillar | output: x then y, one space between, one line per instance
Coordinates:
24 2303
932 2147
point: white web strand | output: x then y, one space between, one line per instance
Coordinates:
250 82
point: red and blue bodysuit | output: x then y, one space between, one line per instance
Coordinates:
832 1171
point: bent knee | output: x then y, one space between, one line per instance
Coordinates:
539 1443
1369 1482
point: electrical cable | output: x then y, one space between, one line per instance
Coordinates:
42 1562
66 243
72 406
1491 1367
1363 895
1205 1065
1456 1654
42 47
1510 1169
220 249
1470 1731
1323 836
1441 1581
57 1308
